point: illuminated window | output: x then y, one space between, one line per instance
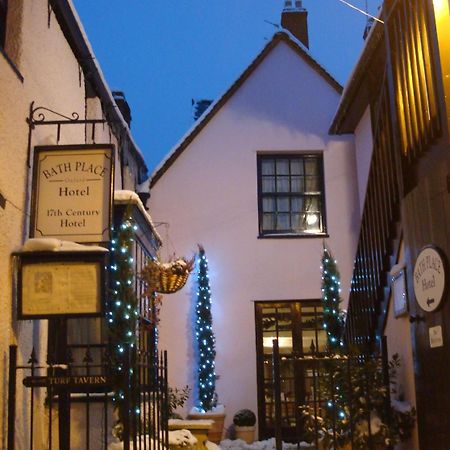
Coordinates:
3 11
291 195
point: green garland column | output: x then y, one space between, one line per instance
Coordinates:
123 310
331 299
204 337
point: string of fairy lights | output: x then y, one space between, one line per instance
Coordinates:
204 336
331 299
123 312
333 324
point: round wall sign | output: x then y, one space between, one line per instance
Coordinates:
429 278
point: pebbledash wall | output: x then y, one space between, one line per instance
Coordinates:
42 64
208 195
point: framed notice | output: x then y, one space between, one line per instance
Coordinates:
61 284
399 294
72 192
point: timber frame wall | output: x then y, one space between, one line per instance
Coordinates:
406 115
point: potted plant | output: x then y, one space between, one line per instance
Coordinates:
244 425
177 398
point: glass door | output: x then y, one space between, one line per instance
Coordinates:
298 327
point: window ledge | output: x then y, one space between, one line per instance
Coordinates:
12 65
293 236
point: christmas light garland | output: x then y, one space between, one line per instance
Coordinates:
123 311
333 324
206 377
331 299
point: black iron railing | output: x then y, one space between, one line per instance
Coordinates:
332 378
73 401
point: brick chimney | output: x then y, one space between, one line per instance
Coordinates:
294 18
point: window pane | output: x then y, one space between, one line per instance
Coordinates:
311 166
297 204
312 221
283 221
283 184
268 338
312 184
268 221
298 222
283 204
313 204
268 204
268 167
268 184
282 167
309 339
297 184
296 166
322 340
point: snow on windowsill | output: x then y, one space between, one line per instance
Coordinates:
181 423
56 245
124 197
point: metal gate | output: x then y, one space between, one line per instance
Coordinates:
69 406
331 383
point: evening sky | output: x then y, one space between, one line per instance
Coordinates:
164 53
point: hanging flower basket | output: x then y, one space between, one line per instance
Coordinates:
167 278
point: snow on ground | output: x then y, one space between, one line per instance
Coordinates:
182 438
211 445
239 444
178 438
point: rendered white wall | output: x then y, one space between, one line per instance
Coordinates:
364 149
399 337
209 196
51 79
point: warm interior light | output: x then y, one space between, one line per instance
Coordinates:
442 16
312 219
440 7
283 342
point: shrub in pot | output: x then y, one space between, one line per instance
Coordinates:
244 423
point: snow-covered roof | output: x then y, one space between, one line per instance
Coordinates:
210 112
66 14
125 197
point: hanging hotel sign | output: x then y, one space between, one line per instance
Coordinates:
430 278
61 284
72 192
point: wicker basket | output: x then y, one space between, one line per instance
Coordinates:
167 278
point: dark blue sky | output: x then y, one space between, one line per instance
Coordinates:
163 53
